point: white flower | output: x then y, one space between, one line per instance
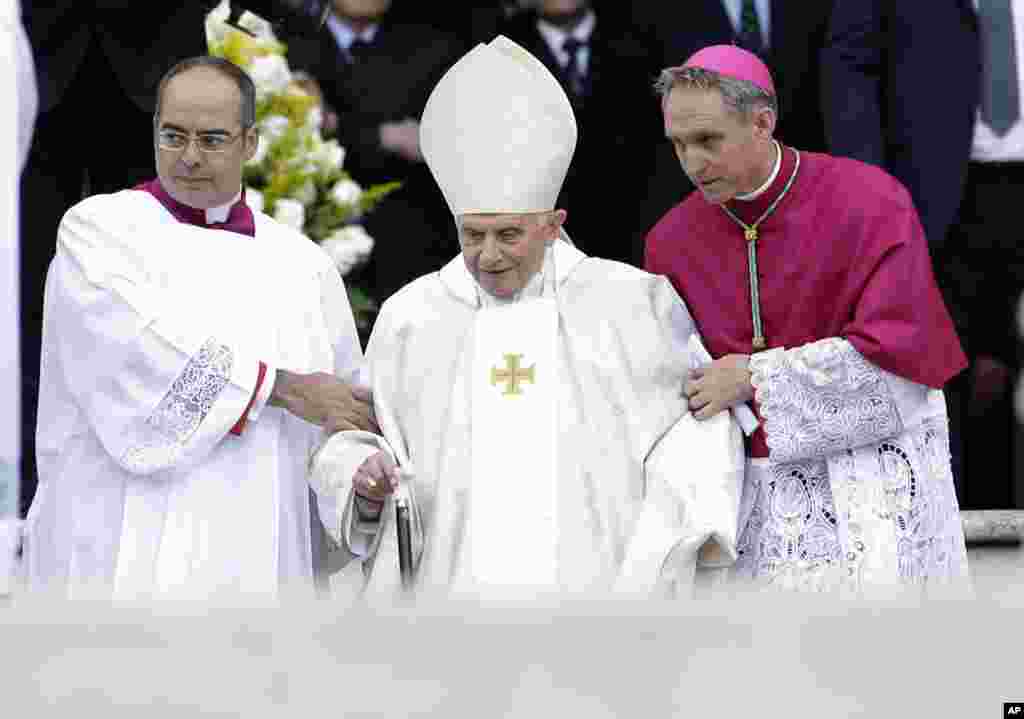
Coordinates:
257 26
216 24
273 126
290 212
270 74
254 199
306 194
346 192
348 247
329 156
315 119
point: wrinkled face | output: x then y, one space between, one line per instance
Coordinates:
720 150
503 252
361 9
203 101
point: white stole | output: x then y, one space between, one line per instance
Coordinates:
514 449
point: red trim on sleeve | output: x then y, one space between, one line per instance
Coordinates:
240 424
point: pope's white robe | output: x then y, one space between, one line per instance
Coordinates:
153 334
641 485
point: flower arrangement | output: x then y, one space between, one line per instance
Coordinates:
297 176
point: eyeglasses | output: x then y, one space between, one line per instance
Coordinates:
208 142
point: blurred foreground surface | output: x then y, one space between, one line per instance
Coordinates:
721 656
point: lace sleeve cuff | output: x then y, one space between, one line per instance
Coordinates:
166 434
822 398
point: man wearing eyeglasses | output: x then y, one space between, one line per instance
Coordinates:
192 350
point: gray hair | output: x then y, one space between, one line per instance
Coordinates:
246 87
741 96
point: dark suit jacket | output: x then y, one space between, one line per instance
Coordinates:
141 40
603 184
413 227
901 88
798 32
391 83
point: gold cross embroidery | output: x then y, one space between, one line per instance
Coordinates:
512 375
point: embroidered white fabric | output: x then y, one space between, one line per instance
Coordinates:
822 398
183 408
858 492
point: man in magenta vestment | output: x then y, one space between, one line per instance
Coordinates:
810 281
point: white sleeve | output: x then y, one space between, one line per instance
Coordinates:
330 476
693 479
332 502
341 325
157 388
825 397
686 338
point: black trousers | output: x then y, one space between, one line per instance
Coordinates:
981 272
95 140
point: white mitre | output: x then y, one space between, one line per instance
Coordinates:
498 132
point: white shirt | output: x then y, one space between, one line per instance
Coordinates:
989 147
555 37
220 212
771 178
345 35
734 8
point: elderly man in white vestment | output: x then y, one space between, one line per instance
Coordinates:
193 355
529 397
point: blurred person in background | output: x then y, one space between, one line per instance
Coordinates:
880 73
375 68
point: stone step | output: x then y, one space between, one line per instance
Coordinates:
993 526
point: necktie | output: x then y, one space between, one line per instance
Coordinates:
1000 95
749 36
573 73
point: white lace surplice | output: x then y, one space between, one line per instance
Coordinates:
858 492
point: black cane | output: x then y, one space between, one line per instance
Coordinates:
404 541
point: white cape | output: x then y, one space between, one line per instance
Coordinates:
641 485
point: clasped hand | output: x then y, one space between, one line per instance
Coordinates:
322 399
719 386
402 138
